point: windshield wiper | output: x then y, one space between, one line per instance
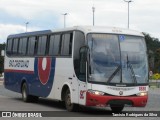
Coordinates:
132 71
113 74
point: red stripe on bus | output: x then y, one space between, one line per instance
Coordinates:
19 71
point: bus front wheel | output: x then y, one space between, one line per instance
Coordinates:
70 106
116 108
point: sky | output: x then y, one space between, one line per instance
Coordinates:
47 14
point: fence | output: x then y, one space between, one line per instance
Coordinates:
154 83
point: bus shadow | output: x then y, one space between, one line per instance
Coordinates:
46 103
82 111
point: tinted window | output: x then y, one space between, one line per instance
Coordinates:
51 44
42 42
9 46
32 46
54 45
66 46
15 46
22 46
79 41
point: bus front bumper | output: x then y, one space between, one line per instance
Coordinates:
104 100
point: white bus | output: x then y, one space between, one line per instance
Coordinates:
89 66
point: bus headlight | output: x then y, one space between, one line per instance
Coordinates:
96 92
142 94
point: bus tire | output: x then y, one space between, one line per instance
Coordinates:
26 97
116 108
70 106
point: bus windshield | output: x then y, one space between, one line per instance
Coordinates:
117 59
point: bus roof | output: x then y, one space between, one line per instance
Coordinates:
101 29
30 34
85 29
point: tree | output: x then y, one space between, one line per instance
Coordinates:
2 47
153 50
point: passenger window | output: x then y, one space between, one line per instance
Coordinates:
32 46
42 42
22 46
9 46
54 45
51 44
66 46
15 46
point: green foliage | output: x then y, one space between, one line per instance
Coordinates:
2 47
153 49
155 76
151 42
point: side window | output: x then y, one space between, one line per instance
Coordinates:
82 66
32 46
51 44
54 45
15 46
66 46
79 41
9 46
22 46
42 42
